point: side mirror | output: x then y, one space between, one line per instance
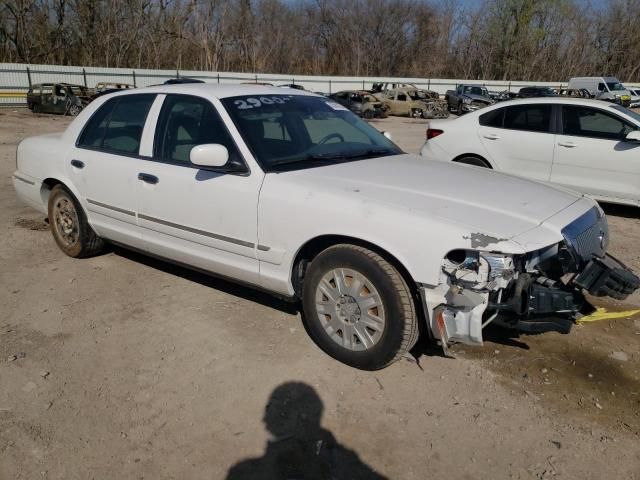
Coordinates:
209 155
388 135
633 136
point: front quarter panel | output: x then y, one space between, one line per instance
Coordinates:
293 212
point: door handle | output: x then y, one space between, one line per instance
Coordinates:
491 136
148 178
567 144
77 164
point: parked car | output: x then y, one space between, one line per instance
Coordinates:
603 88
635 98
292 193
468 98
413 102
589 146
102 86
182 80
502 96
292 85
530 92
578 93
361 102
62 98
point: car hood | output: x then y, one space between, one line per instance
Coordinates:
477 199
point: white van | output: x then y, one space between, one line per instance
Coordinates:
603 88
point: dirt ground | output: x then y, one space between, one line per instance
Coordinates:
123 367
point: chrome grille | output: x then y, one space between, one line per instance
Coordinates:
588 235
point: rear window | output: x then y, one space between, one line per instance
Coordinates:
117 125
493 118
532 118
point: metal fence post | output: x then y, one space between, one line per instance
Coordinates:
218 78
428 84
134 78
84 75
363 83
509 86
256 76
177 73
330 92
29 76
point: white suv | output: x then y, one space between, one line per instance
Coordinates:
290 192
589 146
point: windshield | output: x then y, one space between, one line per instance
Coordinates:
477 91
302 131
626 111
615 86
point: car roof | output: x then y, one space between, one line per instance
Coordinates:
216 90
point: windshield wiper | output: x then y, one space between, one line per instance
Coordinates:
324 157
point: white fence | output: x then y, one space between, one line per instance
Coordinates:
15 79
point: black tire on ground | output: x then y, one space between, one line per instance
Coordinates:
477 161
400 331
87 243
459 111
36 108
72 109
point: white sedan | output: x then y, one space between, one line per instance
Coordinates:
590 146
291 193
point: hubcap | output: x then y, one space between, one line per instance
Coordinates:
66 221
350 309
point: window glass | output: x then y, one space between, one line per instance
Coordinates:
492 118
533 118
402 97
187 121
126 123
117 125
47 90
591 122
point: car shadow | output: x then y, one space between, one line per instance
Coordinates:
208 280
299 447
624 211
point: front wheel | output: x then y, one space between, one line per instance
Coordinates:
358 308
73 109
69 225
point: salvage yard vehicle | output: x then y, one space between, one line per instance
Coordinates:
377 245
468 98
589 146
608 89
361 102
62 98
635 97
102 86
531 92
412 102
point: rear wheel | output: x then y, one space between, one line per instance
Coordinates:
477 161
460 111
358 308
69 225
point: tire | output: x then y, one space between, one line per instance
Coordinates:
36 108
72 109
476 161
342 325
459 111
69 225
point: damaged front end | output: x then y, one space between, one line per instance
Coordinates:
536 292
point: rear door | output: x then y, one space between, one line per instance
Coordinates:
592 156
519 139
104 166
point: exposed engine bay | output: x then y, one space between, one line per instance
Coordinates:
535 292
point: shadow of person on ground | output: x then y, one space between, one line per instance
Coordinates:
299 448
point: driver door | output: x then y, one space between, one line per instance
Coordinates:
199 217
591 155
